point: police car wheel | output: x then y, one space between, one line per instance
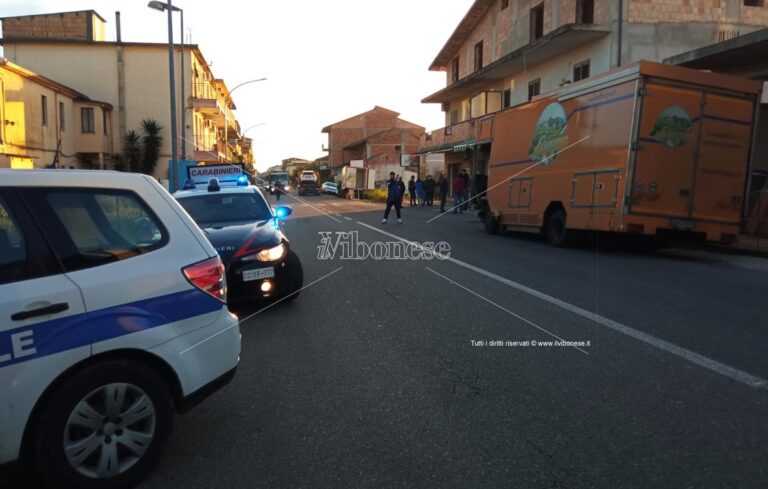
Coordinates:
106 426
295 277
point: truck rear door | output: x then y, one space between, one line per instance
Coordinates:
721 170
692 155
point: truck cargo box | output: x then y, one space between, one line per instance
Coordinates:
648 149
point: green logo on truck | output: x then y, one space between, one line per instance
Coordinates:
672 128
549 137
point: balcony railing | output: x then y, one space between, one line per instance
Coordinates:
204 90
205 142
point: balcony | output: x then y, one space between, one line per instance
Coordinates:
206 148
562 39
207 100
458 137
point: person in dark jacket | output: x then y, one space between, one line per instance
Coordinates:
429 190
412 190
394 198
458 194
279 188
442 185
402 189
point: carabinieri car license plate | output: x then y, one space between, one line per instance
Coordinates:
258 274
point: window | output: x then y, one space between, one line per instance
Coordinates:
455 70
754 3
537 22
504 4
581 71
96 227
398 148
86 120
61 116
534 88
479 56
104 120
44 109
13 249
585 12
216 207
455 116
507 98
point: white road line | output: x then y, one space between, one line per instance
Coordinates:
702 361
347 218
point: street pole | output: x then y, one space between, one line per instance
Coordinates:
183 94
172 77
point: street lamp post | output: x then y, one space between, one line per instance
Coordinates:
246 83
162 6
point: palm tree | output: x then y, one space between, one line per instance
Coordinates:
152 142
133 152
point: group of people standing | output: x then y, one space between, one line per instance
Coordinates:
422 193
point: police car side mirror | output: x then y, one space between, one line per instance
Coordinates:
283 211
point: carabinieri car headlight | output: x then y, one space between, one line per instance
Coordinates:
269 254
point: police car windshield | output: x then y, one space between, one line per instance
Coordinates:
224 207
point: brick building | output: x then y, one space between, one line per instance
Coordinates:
379 137
504 52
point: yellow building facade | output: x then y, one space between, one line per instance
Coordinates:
44 124
133 78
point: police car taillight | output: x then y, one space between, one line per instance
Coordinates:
209 277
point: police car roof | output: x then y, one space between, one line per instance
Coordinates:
202 189
71 178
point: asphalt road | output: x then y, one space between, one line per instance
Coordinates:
371 378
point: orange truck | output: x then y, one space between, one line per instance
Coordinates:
646 149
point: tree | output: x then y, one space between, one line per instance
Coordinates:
152 142
133 151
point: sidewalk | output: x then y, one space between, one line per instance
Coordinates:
750 244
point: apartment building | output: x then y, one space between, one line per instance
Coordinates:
44 124
504 52
378 137
133 78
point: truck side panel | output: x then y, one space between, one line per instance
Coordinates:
666 152
571 152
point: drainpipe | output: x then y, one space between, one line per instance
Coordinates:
183 96
121 116
619 31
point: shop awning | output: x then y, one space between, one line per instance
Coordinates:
455 147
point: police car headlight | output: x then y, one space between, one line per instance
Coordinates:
270 254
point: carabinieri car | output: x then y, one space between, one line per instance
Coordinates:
248 235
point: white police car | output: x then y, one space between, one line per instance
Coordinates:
112 317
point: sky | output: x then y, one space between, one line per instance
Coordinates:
324 61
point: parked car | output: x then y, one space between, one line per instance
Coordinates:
112 318
330 188
308 175
249 237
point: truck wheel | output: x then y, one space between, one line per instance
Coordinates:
104 427
491 223
295 277
555 229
